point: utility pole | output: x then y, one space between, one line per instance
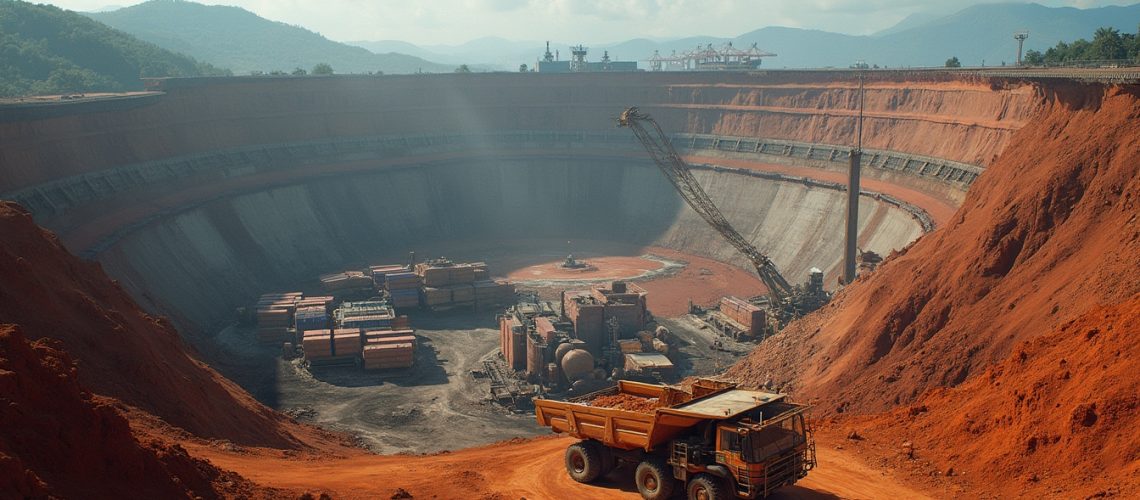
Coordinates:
856 157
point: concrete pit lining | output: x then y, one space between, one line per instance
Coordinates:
202 262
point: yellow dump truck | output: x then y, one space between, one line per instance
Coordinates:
716 440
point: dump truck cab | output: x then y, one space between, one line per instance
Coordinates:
762 454
714 439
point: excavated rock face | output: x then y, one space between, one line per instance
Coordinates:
1049 233
121 352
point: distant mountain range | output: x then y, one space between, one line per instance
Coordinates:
237 39
980 34
46 50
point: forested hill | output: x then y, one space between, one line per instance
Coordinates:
245 42
46 50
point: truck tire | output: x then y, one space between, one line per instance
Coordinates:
584 461
654 479
609 460
707 487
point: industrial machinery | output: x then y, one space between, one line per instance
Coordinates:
714 439
786 302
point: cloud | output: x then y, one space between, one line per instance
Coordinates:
587 21
496 5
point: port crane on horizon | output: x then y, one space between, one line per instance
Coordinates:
785 301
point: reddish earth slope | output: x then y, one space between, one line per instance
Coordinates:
61 441
121 352
1060 413
1047 234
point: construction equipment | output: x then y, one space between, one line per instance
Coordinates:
787 302
714 439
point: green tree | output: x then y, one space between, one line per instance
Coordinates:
953 62
300 72
46 50
322 69
1034 57
1107 44
462 69
522 68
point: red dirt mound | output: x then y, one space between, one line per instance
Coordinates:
1062 410
1048 232
121 351
61 441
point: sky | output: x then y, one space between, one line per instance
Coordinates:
451 22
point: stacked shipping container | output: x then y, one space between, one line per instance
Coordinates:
387 349
275 316
750 316
317 344
402 284
311 318
447 285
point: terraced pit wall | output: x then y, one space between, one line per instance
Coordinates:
536 157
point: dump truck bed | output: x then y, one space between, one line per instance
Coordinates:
629 429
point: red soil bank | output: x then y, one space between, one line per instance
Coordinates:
61 441
121 351
1046 234
1060 412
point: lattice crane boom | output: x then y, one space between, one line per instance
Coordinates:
651 136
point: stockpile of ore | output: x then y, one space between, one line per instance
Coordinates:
402 284
624 401
387 349
275 316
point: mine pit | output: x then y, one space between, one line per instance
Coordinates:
293 233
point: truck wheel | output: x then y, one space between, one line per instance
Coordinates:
707 487
654 480
609 461
583 461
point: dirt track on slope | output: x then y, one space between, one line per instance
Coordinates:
514 469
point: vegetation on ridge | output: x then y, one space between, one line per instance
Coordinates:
47 50
1108 44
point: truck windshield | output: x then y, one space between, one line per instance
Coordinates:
775 439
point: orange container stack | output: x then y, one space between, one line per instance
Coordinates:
375 336
388 349
275 317
462 295
436 297
748 315
317 344
447 284
346 342
384 356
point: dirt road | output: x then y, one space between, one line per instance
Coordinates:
530 469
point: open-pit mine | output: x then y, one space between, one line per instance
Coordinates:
367 286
